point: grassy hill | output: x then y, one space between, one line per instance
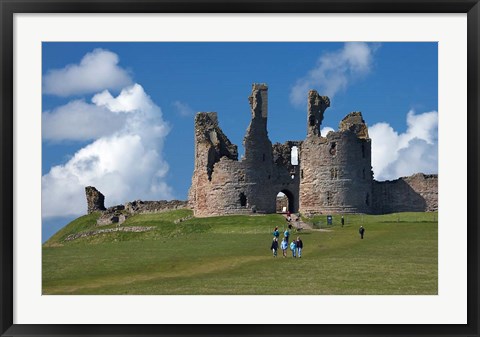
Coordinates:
230 255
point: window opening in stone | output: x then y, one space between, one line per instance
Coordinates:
243 199
367 200
311 120
301 174
294 156
363 173
333 148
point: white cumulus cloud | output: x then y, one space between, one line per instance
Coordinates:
401 154
183 109
79 120
98 70
334 71
325 130
124 165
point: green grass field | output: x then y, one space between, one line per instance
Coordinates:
230 255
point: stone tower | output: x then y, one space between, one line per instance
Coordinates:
336 173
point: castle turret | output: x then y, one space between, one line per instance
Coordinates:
336 172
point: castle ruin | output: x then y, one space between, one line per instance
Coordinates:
331 174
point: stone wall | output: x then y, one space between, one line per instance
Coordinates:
416 193
140 206
119 213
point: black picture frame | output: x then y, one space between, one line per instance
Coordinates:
10 7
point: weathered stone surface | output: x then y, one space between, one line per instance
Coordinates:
140 206
418 192
333 175
211 140
95 200
112 215
355 123
336 174
118 214
247 186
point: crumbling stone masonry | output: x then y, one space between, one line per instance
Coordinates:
95 200
407 194
119 213
333 173
221 184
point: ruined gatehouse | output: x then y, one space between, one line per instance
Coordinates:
331 174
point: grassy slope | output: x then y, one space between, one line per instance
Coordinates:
230 255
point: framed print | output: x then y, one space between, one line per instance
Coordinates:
245 168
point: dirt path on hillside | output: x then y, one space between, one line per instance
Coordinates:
299 225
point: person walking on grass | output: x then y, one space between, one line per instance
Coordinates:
299 244
286 234
343 221
293 248
276 233
361 231
284 246
274 247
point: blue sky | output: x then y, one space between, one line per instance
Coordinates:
119 116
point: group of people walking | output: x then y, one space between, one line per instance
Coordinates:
296 246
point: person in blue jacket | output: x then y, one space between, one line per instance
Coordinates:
284 246
293 248
286 234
